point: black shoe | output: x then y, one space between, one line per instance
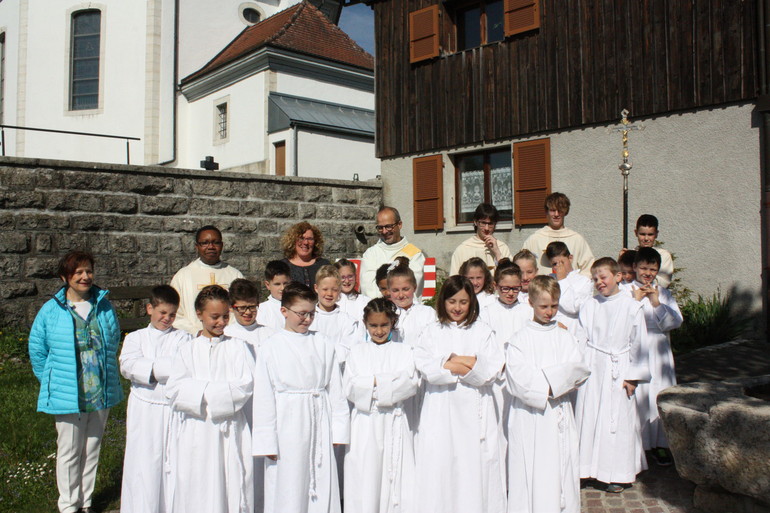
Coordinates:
662 457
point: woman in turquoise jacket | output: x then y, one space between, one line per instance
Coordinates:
73 346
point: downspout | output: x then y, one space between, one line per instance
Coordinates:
763 104
174 86
295 149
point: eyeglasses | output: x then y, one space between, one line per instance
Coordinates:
204 243
348 277
506 290
486 224
306 239
302 315
385 227
245 309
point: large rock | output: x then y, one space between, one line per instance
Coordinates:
720 438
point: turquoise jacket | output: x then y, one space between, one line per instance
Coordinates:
55 361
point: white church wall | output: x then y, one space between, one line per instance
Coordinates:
698 172
9 16
295 85
326 155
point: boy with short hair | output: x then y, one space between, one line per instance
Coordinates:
575 288
626 264
277 277
146 360
606 414
646 234
483 244
661 314
300 411
544 364
330 320
556 209
244 301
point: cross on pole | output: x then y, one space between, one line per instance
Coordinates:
625 166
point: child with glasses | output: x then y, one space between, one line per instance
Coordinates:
300 411
244 300
351 301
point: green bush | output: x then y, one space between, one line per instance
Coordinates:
708 321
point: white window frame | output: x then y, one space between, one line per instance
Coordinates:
216 128
250 5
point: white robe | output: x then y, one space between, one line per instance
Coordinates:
485 299
505 320
475 247
147 353
576 289
413 321
354 307
339 327
608 421
189 281
269 314
461 448
379 464
209 385
660 321
583 257
299 412
382 253
544 364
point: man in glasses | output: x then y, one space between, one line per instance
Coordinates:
207 269
390 246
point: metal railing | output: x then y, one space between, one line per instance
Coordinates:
68 132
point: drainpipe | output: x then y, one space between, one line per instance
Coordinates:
295 150
763 106
173 86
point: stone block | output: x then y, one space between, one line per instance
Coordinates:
306 211
268 227
96 243
316 193
10 266
56 222
123 244
7 220
41 267
182 186
43 243
148 185
370 197
69 201
146 244
279 210
11 290
120 204
171 244
202 206
48 178
21 199
227 207
96 223
17 178
88 180
219 188
165 205
89 203
250 208
146 224
240 262
244 225
14 243
247 244
140 264
340 195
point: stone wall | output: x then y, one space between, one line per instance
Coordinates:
140 222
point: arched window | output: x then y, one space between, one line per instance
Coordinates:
251 15
84 59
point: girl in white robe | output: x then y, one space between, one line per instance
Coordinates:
146 360
460 462
544 364
477 272
413 316
351 301
506 315
210 383
379 376
300 411
330 320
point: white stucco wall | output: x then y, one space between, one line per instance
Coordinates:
323 91
325 155
9 16
699 173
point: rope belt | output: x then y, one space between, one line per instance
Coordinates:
316 452
615 372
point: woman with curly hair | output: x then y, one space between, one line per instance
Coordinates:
303 245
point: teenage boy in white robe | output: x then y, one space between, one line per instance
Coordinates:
575 288
277 276
606 414
146 360
210 383
661 314
544 364
300 412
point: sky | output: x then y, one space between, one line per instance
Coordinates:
358 21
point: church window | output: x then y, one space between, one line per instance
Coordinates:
84 59
221 128
251 15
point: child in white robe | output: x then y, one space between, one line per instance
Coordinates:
210 383
379 376
330 320
351 301
506 314
477 272
461 448
277 276
627 274
527 262
661 314
413 316
300 411
610 438
575 287
544 364
146 360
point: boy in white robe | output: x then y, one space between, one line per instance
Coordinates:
379 376
661 314
544 364
209 385
627 273
277 276
330 320
575 288
646 232
146 360
300 411
607 417
527 263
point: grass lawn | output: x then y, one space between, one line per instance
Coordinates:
28 440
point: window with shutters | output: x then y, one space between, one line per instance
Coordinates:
424 34
479 23
521 16
427 182
85 47
531 180
483 178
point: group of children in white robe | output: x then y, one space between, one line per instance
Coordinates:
499 400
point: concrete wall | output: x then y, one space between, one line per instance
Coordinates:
329 155
140 222
698 172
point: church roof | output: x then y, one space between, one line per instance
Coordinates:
301 28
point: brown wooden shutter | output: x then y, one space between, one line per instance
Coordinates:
427 180
531 180
521 16
423 34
